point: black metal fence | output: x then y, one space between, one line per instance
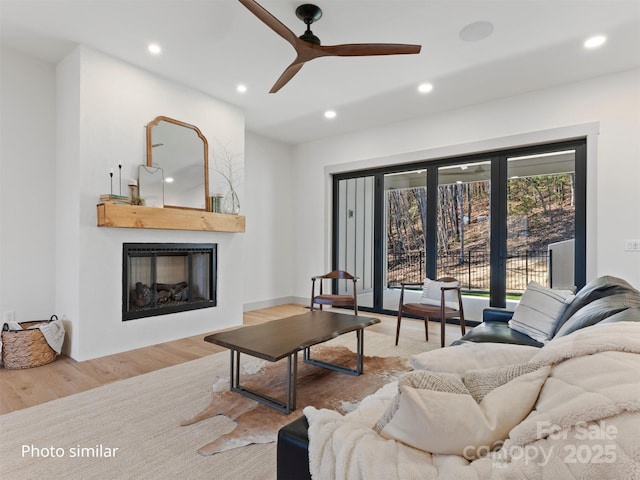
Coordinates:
472 270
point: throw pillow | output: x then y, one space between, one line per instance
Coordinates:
424 379
481 382
432 293
595 289
599 310
446 421
628 315
539 310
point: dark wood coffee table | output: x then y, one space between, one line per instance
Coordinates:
284 338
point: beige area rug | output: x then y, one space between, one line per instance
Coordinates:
131 429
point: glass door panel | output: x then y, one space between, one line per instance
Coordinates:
405 196
355 235
464 192
541 212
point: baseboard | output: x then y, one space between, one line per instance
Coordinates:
300 300
274 302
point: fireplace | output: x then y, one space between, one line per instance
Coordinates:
161 278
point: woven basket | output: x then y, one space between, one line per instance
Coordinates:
26 348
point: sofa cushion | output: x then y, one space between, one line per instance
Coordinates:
598 288
496 314
496 332
539 310
422 417
472 356
432 293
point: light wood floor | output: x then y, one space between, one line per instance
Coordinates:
24 388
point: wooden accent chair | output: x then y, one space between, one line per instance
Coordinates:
334 300
436 311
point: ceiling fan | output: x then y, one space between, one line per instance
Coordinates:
308 46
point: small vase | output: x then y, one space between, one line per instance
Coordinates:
231 203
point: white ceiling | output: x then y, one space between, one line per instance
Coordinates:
214 45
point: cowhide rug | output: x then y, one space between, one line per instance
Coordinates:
320 387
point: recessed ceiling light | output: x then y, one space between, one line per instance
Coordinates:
330 114
595 41
154 48
425 87
241 88
476 31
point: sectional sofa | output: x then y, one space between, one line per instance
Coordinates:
557 332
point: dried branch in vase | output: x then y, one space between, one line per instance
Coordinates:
224 163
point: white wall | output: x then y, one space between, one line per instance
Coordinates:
606 109
116 101
270 235
27 186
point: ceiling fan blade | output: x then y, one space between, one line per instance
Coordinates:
365 49
287 75
271 21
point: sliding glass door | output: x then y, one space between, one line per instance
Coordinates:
495 221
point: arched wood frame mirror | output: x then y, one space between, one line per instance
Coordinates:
182 151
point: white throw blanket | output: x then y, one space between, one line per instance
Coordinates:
53 333
585 424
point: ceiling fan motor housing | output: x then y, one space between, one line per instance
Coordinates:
309 13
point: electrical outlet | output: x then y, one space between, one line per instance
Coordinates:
9 316
632 245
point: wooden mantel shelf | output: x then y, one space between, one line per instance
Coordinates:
130 216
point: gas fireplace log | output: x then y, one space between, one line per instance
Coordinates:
163 296
144 296
171 287
181 293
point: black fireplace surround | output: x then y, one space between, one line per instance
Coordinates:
162 278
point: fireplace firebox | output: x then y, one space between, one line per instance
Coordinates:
162 278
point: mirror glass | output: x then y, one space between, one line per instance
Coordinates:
181 151
151 185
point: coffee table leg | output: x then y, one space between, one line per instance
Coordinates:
339 368
360 348
292 379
